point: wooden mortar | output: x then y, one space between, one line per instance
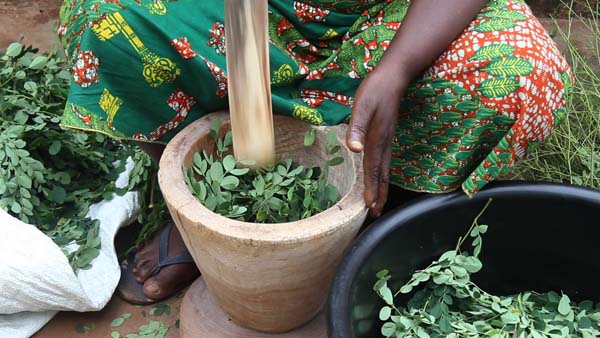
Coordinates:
268 277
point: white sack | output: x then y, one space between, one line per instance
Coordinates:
36 279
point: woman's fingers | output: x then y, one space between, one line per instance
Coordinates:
384 180
375 157
372 171
362 113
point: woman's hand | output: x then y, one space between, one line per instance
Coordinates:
428 29
374 118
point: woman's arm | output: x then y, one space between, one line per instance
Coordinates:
429 28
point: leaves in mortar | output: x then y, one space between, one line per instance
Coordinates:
282 192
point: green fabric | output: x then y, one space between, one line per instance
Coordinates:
145 69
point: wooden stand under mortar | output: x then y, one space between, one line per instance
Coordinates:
200 317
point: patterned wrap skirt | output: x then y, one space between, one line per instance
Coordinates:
144 69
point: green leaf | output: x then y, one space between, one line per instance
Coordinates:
422 333
564 306
216 171
441 279
228 139
510 318
459 271
331 194
20 75
472 264
335 150
510 66
239 172
39 62
24 181
14 49
230 182
229 163
15 207
385 313
388 329
406 289
21 117
58 194
158 310
382 274
310 137
335 161
215 129
387 295
82 328
54 148
498 87
30 86
493 51
447 256
115 334
117 322
331 139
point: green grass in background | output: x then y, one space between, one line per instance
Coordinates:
572 153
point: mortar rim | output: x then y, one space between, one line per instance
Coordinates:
351 206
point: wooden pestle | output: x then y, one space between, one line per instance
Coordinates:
246 32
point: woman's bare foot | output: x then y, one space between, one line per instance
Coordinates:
171 278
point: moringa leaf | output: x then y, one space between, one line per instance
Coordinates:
310 137
117 322
564 307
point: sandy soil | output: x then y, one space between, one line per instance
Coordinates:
34 21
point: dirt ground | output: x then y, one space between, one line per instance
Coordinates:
560 8
34 21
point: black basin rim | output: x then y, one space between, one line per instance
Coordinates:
363 246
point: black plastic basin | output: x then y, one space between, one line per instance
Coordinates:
541 237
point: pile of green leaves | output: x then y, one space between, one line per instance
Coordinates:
154 329
572 153
448 304
283 192
49 176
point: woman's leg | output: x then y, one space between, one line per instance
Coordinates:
141 73
170 278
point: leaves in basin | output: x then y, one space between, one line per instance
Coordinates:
446 303
282 192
